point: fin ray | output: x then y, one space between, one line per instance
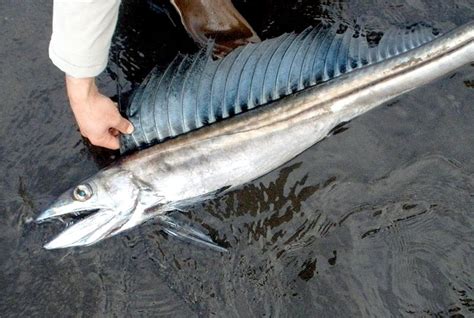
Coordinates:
187 233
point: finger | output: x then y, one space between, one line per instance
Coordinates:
114 132
107 141
124 126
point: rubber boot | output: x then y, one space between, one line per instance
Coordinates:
218 20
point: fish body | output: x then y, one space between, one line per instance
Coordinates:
282 122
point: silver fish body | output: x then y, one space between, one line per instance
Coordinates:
231 152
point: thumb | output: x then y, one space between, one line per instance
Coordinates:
124 126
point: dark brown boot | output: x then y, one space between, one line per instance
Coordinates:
218 20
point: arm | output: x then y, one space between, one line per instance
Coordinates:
82 34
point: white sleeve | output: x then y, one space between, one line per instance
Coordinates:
82 33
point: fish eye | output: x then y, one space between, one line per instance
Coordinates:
82 192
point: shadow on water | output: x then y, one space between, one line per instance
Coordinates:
374 221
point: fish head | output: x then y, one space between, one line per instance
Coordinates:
117 200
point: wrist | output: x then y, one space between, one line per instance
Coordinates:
80 90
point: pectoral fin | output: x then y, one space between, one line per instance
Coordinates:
181 230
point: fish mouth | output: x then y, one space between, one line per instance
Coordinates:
93 228
103 223
55 214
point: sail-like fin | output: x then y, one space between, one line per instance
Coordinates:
203 94
280 88
253 68
174 96
343 58
332 62
275 66
310 50
147 105
136 106
231 87
190 89
298 60
177 228
224 81
319 59
196 90
160 114
264 73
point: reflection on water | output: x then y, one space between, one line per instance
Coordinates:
374 221
381 246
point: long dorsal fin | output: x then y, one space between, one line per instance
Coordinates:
194 91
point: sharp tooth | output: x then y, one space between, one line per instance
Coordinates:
90 230
49 213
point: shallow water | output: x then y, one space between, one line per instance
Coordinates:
376 220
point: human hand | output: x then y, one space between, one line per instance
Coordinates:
97 115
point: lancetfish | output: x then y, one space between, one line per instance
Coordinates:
203 126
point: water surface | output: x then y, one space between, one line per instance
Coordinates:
376 220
